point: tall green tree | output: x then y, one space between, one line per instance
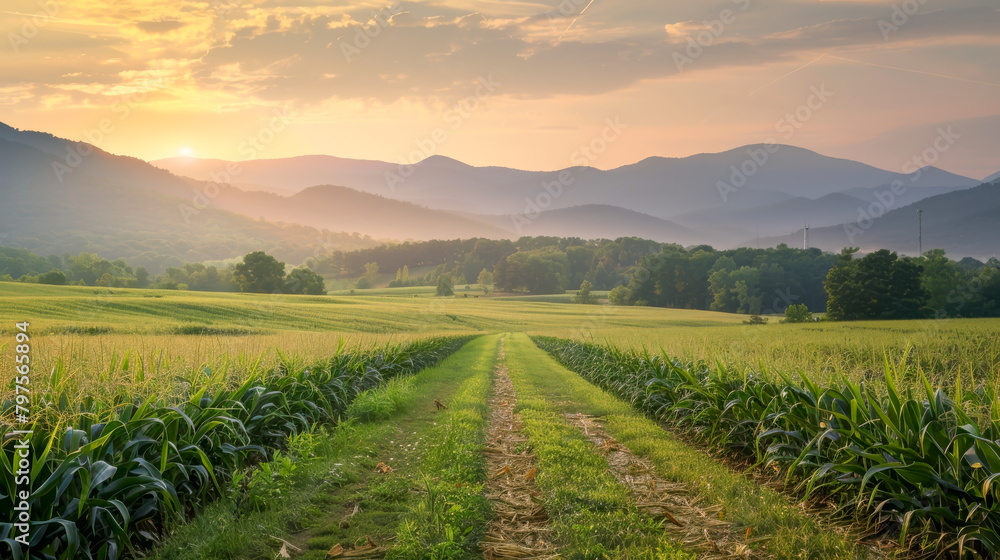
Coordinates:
540 271
584 296
908 297
445 286
141 277
941 277
55 277
259 273
304 281
485 281
371 273
879 286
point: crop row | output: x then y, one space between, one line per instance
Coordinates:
112 482
922 464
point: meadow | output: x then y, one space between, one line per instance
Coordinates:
107 362
86 331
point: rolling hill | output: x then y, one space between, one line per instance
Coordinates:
332 207
56 201
963 223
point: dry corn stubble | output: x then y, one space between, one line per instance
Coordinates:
695 526
521 527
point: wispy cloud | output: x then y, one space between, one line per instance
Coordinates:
231 56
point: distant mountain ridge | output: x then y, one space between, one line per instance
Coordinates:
56 200
595 221
60 196
963 223
714 194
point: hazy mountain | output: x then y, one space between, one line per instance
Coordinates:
595 222
792 214
963 223
341 208
775 219
661 187
123 207
992 178
55 201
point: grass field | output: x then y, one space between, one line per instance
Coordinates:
90 329
110 347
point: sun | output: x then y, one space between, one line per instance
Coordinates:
186 152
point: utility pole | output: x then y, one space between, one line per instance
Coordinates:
805 237
920 232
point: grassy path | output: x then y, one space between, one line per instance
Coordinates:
594 516
695 525
340 492
449 517
520 527
523 459
769 523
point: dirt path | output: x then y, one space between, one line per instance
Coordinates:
521 528
694 526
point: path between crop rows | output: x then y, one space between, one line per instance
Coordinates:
695 526
521 527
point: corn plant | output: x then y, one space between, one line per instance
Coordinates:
921 464
108 480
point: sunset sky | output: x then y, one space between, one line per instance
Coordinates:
297 77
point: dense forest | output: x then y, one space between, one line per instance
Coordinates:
642 272
537 265
883 285
639 271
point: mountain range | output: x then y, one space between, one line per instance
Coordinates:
59 196
963 223
765 189
63 196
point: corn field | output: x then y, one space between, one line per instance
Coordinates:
107 478
921 464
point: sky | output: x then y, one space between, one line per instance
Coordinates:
518 83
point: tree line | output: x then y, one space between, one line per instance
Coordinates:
743 280
881 285
530 264
257 272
